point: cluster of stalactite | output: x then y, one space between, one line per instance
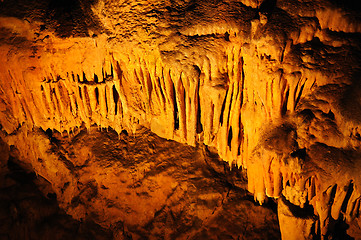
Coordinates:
190 110
230 100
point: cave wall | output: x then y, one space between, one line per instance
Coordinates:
273 86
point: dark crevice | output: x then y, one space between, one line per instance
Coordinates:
116 99
299 153
184 102
306 212
161 89
222 109
106 102
226 36
81 96
96 80
299 95
230 106
51 196
330 115
52 139
333 194
230 136
54 99
71 108
84 78
267 7
97 95
199 122
76 105
176 112
307 115
338 227
347 197
283 52
71 18
119 73
284 103
340 230
243 79
150 86
288 183
240 136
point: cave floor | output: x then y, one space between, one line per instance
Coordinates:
132 186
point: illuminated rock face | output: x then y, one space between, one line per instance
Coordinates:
144 186
273 86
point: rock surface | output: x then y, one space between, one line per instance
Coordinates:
28 210
273 86
136 187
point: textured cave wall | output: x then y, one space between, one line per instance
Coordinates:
121 186
274 86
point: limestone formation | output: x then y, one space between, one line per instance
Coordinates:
273 86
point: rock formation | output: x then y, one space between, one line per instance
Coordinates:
273 86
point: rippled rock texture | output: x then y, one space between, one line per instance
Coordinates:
272 86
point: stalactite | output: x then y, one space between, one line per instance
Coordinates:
229 105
